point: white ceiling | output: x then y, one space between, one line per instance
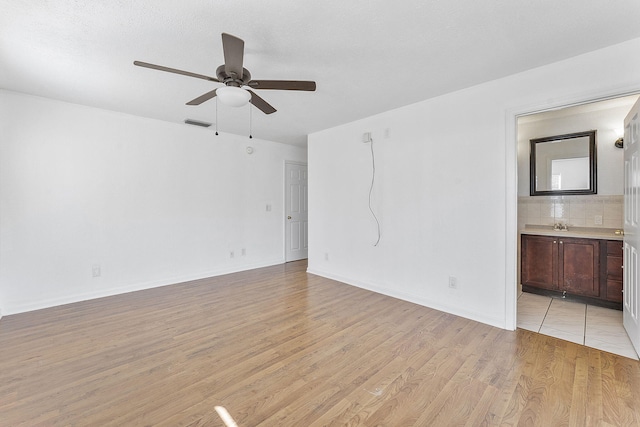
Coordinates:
367 56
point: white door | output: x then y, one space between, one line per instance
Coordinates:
296 212
631 294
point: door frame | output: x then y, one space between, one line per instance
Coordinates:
511 181
284 202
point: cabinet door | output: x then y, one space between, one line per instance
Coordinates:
539 266
579 266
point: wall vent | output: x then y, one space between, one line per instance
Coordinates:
197 123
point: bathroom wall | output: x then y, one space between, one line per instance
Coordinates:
607 118
577 211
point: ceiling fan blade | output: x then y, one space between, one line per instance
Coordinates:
233 54
261 104
174 70
202 98
283 84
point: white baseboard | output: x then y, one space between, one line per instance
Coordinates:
68 299
478 317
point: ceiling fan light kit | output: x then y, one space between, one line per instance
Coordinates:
233 96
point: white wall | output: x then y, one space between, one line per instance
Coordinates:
446 188
150 202
605 122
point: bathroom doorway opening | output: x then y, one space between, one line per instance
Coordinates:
604 210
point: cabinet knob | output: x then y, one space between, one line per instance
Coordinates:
560 241
555 241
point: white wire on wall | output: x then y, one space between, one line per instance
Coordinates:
373 179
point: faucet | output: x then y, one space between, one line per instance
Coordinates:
558 226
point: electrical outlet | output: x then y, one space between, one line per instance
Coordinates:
244 251
597 220
95 271
231 254
453 282
326 256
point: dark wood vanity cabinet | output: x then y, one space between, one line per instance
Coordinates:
586 268
562 264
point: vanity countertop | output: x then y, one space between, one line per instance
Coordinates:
579 232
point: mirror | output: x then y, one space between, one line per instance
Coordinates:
564 164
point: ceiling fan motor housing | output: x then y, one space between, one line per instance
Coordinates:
232 79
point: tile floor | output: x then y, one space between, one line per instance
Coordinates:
584 324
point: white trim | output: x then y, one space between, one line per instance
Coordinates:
511 150
511 222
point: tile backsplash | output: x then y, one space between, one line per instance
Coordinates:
577 211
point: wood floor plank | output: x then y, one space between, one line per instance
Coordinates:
280 347
579 393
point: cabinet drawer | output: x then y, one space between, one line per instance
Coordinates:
614 290
614 267
614 248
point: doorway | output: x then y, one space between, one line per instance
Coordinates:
604 210
296 221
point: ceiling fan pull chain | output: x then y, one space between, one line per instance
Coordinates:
250 121
216 116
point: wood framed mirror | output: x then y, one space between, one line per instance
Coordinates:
564 164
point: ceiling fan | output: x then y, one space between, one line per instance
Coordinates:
235 77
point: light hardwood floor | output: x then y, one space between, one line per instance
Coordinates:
279 347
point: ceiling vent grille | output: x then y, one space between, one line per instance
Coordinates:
197 123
